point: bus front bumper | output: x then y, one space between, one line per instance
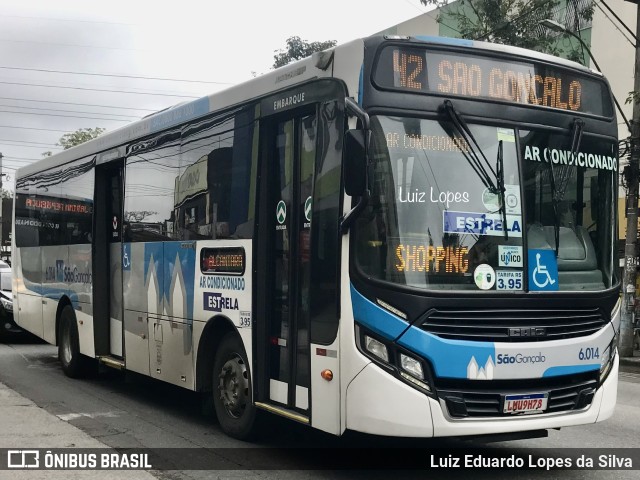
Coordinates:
380 404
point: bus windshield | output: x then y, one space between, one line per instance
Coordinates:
435 222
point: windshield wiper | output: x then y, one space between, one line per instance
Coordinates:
472 157
477 165
558 193
501 189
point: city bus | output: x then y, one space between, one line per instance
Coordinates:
405 236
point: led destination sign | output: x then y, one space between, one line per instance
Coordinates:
227 260
523 82
427 258
54 204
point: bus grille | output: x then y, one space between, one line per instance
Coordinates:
485 398
513 325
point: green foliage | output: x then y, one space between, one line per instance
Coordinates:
72 139
634 97
297 49
514 22
81 135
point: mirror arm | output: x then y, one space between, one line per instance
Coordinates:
354 110
354 213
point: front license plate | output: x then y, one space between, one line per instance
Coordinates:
529 403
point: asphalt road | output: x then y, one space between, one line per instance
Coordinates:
131 411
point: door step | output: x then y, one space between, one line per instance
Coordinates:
285 412
112 362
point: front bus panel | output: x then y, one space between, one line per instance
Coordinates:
482 271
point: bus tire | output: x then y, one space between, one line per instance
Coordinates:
74 364
232 398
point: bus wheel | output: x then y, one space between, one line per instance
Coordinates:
74 364
232 389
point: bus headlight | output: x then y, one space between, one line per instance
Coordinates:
7 304
400 363
412 366
411 370
608 355
376 348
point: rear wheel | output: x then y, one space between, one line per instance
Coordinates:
74 364
232 397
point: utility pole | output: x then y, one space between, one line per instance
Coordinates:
630 256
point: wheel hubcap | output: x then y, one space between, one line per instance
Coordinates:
233 386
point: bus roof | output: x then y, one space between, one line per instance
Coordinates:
294 73
291 74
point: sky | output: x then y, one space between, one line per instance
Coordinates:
206 45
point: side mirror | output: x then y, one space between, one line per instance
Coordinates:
355 163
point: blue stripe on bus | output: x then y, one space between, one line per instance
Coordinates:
185 253
53 293
570 369
163 256
375 318
449 358
178 114
153 255
462 42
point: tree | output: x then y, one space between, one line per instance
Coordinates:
138 215
297 49
81 135
516 22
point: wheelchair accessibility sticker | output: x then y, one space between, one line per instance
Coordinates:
543 270
126 260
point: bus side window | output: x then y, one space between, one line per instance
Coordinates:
213 194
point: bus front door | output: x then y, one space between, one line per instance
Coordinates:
287 211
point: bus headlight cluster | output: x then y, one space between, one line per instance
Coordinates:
393 358
376 348
412 366
7 304
609 354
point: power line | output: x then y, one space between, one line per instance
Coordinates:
9 40
69 111
33 128
69 20
79 104
95 89
20 158
429 13
619 19
415 6
616 26
30 146
67 116
32 143
114 75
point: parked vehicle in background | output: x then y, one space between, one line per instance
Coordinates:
7 323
